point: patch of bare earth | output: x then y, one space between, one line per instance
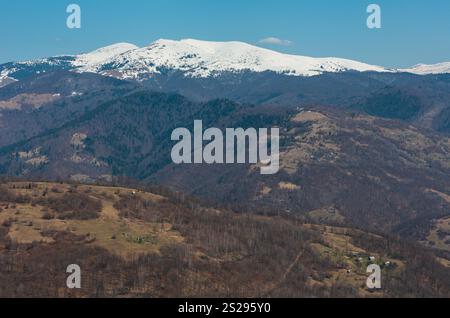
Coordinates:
31 100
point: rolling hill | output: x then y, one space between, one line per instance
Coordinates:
142 244
375 173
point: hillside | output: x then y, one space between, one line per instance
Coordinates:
136 243
40 93
379 174
48 101
374 173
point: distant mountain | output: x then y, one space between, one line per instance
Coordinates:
205 59
424 69
203 71
156 68
194 59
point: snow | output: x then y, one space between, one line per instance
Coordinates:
97 57
204 59
424 69
5 78
4 75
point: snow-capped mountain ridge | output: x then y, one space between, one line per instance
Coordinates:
197 59
103 54
204 59
424 69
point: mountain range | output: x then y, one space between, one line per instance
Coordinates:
362 146
237 71
197 59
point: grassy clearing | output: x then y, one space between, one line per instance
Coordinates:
121 236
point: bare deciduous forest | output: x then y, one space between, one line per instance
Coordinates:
186 249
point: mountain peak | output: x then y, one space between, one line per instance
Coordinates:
117 47
197 58
103 54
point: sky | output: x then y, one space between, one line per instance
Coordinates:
412 32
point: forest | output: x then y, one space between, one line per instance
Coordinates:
189 249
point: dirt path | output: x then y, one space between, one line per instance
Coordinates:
109 212
284 276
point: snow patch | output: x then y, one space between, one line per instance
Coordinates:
33 157
78 140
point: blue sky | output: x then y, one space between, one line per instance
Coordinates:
413 31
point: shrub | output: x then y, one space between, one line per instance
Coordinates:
48 216
76 206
